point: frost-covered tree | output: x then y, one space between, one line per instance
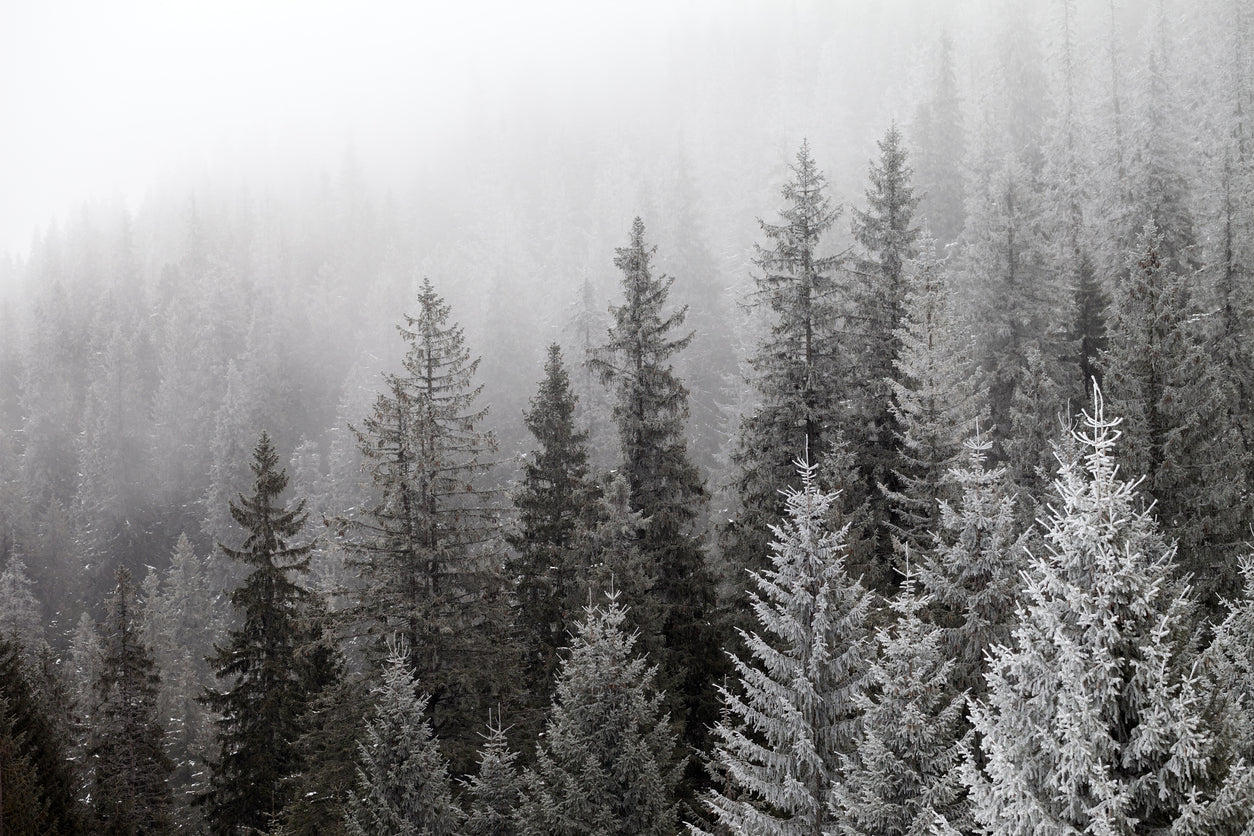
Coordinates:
403 784
935 397
939 140
1095 719
903 771
795 370
972 571
607 764
795 711
21 620
494 792
423 551
267 685
650 409
131 791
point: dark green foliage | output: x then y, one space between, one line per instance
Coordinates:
269 682
557 505
796 368
426 551
887 237
28 740
650 408
131 792
328 752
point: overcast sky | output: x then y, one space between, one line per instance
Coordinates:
103 99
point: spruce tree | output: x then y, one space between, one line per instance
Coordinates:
903 770
424 550
650 407
795 370
936 400
28 739
268 686
556 504
794 711
1096 719
495 791
403 784
1163 380
131 791
941 148
972 570
607 763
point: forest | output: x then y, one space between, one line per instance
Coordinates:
884 468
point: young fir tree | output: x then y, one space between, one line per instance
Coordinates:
936 400
1095 719
495 791
795 710
403 784
268 683
423 550
903 770
1230 658
650 407
556 504
607 763
887 236
1162 380
131 791
795 370
972 570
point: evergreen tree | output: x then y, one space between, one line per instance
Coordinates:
269 686
795 370
495 791
127 746
29 741
403 785
650 407
903 771
1162 379
607 761
935 399
21 619
328 753
972 571
795 711
1095 719
941 148
887 236
556 503
424 550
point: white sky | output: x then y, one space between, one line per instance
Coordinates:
100 100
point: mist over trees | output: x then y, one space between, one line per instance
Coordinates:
839 423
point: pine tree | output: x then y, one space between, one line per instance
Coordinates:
650 407
607 761
556 503
127 746
328 753
268 684
936 400
1095 718
403 785
903 770
972 570
795 370
21 620
424 550
795 712
887 237
495 790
